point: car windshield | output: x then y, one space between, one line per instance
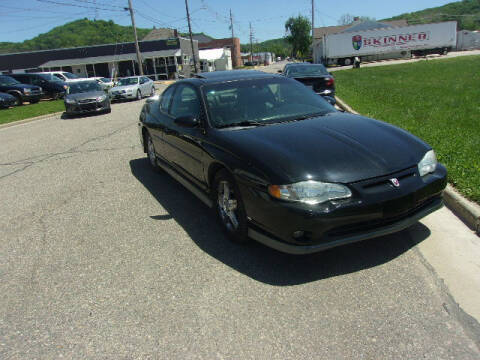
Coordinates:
50 77
105 80
83 87
128 81
70 75
7 81
262 101
306 70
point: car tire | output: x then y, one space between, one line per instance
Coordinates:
18 99
152 93
108 111
229 208
34 101
151 155
139 95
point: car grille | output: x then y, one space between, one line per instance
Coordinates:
88 107
86 101
35 92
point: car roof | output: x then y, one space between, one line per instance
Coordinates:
229 75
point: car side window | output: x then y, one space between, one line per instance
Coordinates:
185 102
165 100
37 81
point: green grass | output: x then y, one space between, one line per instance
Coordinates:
437 100
30 110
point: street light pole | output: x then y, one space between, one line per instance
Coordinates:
137 48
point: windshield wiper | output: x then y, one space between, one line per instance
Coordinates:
242 123
309 116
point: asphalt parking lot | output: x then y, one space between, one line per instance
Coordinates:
102 258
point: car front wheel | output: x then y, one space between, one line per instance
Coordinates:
229 207
139 95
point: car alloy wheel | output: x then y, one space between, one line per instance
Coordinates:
153 91
152 156
229 207
139 95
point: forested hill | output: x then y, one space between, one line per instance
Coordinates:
82 32
466 13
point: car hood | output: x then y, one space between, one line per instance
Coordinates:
6 96
126 87
85 96
21 87
337 147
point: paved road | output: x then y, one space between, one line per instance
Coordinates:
102 258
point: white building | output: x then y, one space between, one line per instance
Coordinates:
215 59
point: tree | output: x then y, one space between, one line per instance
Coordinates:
347 19
298 31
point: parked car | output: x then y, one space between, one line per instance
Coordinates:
64 75
6 100
21 92
86 96
133 87
282 166
314 76
105 83
52 86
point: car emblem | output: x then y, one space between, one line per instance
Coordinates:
395 182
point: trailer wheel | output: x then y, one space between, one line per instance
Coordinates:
445 51
347 61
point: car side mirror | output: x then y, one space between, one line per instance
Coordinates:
187 121
331 100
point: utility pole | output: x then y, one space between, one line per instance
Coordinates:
137 48
251 43
313 17
191 38
234 59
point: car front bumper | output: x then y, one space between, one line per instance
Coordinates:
377 208
90 107
7 103
123 96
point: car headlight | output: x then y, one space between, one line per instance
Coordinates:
101 98
428 164
27 91
310 192
70 101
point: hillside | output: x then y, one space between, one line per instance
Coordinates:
82 32
466 13
279 47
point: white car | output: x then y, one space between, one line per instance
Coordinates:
133 87
64 75
105 83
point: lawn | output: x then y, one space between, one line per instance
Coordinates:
30 110
437 100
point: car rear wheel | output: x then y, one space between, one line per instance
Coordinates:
229 207
34 101
153 91
152 156
139 95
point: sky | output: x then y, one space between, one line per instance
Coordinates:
25 19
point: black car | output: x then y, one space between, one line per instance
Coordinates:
6 100
52 86
315 76
21 92
283 166
86 96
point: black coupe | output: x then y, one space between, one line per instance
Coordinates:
314 76
282 166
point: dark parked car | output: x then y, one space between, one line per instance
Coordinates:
6 100
52 86
315 76
284 167
86 96
21 92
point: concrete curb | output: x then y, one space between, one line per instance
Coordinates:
24 121
465 209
